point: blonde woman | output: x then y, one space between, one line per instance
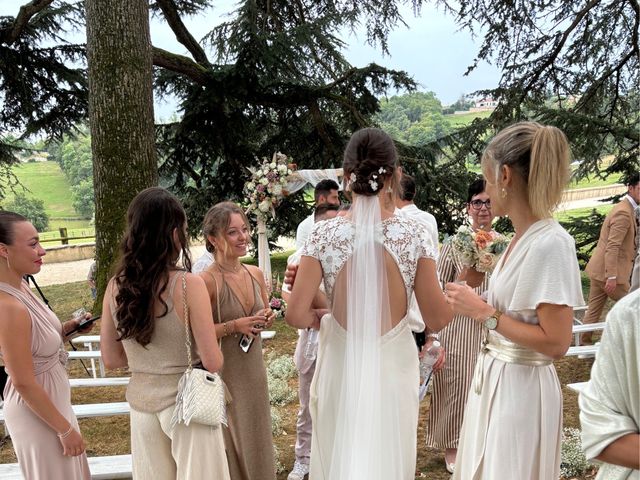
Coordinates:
513 420
239 301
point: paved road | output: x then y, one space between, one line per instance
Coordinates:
55 273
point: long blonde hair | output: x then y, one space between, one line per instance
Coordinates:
540 154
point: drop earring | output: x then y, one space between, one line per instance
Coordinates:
503 193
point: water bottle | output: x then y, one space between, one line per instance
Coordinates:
426 366
311 349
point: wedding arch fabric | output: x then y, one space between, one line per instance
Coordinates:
364 394
300 178
296 181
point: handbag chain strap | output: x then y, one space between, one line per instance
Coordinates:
185 308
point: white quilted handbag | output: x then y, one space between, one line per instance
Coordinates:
201 396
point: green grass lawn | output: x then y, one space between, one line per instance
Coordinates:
563 216
465 118
45 181
596 182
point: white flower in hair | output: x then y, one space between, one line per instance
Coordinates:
352 177
382 170
375 176
374 185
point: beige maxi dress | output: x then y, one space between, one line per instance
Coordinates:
248 439
36 444
512 424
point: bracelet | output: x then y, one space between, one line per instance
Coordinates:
225 331
65 434
435 336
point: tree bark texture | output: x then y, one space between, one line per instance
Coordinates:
119 55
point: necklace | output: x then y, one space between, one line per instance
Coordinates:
234 269
242 290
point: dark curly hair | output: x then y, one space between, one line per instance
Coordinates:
147 255
372 157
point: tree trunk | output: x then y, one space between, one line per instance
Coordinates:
119 58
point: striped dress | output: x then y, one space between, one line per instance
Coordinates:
461 339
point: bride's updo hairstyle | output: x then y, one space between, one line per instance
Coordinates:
539 154
369 159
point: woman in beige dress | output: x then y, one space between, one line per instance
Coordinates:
238 297
461 338
143 327
512 425
37 396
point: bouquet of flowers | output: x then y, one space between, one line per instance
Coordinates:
478 249
267 185
277 303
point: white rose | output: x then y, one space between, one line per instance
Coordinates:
272 165
265 206
259 173
276 189
251 186
282 169
264 181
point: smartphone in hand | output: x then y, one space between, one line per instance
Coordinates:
83 323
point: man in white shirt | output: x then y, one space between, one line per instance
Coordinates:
404 202
326 191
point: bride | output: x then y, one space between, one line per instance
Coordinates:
364 395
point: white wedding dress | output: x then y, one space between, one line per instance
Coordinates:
364 395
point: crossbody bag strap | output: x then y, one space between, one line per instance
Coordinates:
185 308
215 282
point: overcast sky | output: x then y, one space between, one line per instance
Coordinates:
429 48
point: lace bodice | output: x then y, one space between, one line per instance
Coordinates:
331 243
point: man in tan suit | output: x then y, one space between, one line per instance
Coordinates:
610 266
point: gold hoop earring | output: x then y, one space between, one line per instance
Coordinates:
389 189
503 193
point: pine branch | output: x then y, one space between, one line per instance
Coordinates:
12 32
183 35
180 64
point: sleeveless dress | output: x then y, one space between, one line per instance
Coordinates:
248 439
36 444
462 340
332 244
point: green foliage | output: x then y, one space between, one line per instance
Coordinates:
73 153
414 118
31 208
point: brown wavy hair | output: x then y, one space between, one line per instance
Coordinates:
147 256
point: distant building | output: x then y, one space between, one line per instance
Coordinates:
484 104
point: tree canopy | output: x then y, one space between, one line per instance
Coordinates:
274 77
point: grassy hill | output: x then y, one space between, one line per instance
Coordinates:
45 181
465 118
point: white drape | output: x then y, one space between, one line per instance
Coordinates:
296 181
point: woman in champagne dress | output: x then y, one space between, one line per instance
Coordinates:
37 396
238 298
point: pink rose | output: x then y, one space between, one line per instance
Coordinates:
485 262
